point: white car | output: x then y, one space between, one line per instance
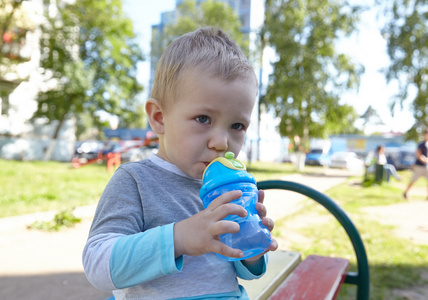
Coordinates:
346 160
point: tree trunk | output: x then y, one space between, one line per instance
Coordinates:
300 160
52 144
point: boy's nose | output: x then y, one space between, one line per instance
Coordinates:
218 141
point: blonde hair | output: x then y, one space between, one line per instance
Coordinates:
206 50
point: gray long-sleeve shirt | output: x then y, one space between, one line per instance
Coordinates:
130 248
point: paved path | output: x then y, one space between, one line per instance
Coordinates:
37 265
280 203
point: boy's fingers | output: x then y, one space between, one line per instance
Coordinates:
261 209
222 207
273 246
222 227
220 248
261 196
269 223
225 198
230 209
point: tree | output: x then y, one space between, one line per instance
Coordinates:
370 116
89 58
190 16
407 45
309 74
340 121
15 21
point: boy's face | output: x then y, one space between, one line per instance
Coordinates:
208 118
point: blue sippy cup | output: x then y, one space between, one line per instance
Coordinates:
226 174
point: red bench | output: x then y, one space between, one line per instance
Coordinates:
317 277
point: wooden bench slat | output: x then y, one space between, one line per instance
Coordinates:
281 264
317 277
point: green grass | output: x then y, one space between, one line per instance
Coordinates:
61 220
28 187
394 262
270 170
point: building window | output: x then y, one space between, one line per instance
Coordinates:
245 20
245 4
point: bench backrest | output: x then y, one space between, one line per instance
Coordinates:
360 278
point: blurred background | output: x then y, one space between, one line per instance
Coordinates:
337 78
334 76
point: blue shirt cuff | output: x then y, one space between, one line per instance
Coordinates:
144 256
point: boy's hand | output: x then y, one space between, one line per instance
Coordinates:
200 233
261 209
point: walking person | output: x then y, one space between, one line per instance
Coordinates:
421 165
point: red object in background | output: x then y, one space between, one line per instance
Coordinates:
112 153
113 161
7 37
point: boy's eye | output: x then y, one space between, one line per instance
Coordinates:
203 119
238 126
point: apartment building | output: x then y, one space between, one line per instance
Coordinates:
263 140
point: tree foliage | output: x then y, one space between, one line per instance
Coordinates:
15 21
89 58
407 46
309 74
190 15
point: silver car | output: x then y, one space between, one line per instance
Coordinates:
346 160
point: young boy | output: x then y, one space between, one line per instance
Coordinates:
151 238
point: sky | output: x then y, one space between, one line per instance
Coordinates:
365 46
144 14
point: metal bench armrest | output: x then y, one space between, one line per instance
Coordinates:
361 278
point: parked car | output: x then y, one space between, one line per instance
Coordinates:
317 157
406 160
346 160
129 150
133 151
402 159
87 150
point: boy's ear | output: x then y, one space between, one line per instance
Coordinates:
155 115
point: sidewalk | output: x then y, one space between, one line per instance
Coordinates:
36 265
